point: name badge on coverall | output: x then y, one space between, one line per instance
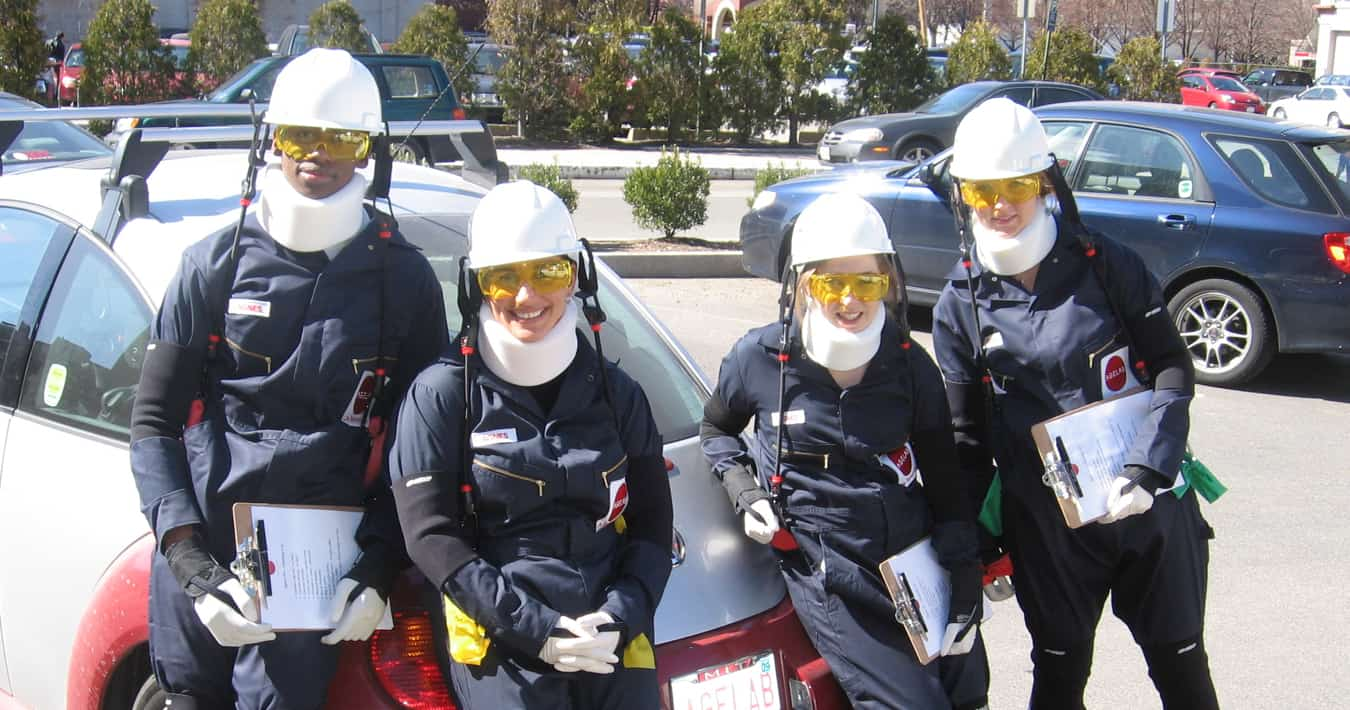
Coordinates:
360 402
902 463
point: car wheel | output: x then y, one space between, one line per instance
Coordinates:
150 696
408 152
1278 113
917 151
1225 327
1211 105
1334 120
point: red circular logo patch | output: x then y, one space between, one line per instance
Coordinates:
1115 373
271 567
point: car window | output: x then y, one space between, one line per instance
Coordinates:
75 58
410 82
86 358
1021 95
1292 78
41 141
261 84
1066 139
1056 95
1137 162
627 338
954 100
1332 163
1254 78
24 237
1192 82
488 60
1223 83
1272 170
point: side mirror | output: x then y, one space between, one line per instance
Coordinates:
246 94
933 174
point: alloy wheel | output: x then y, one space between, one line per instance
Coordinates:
1216 330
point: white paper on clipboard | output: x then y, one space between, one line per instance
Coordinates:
309 549
1097 439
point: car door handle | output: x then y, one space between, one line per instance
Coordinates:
1176 221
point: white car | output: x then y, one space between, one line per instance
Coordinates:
1323 105
82 270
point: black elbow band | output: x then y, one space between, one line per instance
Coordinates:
717 418
168 384
1176 376
742 488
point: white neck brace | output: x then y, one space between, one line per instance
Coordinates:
303 224
1010 256
528 364
835 348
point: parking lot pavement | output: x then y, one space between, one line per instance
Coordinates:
1276 606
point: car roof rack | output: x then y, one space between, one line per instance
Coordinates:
140 150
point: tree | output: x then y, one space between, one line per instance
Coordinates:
1071 58
226 36
671 73
893 74
123 59
808 37
533 80
337 24
748 78
434 31
976 56
1142 74
472 14
603 68
21 45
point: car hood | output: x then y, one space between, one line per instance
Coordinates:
828 180
880 120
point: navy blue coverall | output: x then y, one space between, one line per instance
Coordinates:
553 469
847 509
1050 350
298 332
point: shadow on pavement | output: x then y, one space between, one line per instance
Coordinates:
1319 376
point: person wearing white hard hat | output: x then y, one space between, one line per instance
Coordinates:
846 410
280 348
530 480
1045 317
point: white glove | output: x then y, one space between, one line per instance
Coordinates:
761 529
1123 505
577 653
606 646
230 626
354 618
951 646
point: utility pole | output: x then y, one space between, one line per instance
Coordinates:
702 57
1167 19
923 27
1051 17
1026 9
876 11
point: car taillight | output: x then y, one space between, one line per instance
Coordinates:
1338 249
458 114
405 662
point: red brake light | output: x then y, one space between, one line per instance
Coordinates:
404 661
1338 249
458 114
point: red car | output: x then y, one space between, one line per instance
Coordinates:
68 75
180 87
1217 90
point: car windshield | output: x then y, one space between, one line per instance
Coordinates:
675 395
229 90
1224 83
1332 164
75 58
954 101
1291 78
41 141
180 56
488 60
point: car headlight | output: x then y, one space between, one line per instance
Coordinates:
764 199
68 82
862 135
1227 99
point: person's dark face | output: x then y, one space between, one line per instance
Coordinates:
317 176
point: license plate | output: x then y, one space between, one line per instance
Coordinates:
1251 109
824 152
750 682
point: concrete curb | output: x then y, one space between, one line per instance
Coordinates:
675 264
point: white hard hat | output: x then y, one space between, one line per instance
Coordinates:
838 224
520 221
999 139
326 88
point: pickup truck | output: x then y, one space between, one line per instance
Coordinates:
1271 83
410 84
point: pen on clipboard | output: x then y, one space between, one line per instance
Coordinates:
264 568
912 602
1068 466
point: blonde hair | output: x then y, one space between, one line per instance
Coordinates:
884 265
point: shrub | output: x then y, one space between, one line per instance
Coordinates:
226 36
893 74
669 197
1142 74
550 178
977 55
21 45
124 62
434 31
1071 58
773 174
337 24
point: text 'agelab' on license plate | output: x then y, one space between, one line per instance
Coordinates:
750 682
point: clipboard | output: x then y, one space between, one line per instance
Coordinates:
292 564
922 591
1083 450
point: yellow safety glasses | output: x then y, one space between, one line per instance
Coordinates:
299 142
828 288
982 194
544 276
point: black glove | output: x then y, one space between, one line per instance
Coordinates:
963 616
195 569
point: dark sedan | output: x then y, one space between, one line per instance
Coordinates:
916 136
1242 218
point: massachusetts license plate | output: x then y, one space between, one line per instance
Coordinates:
750 682
1251 109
